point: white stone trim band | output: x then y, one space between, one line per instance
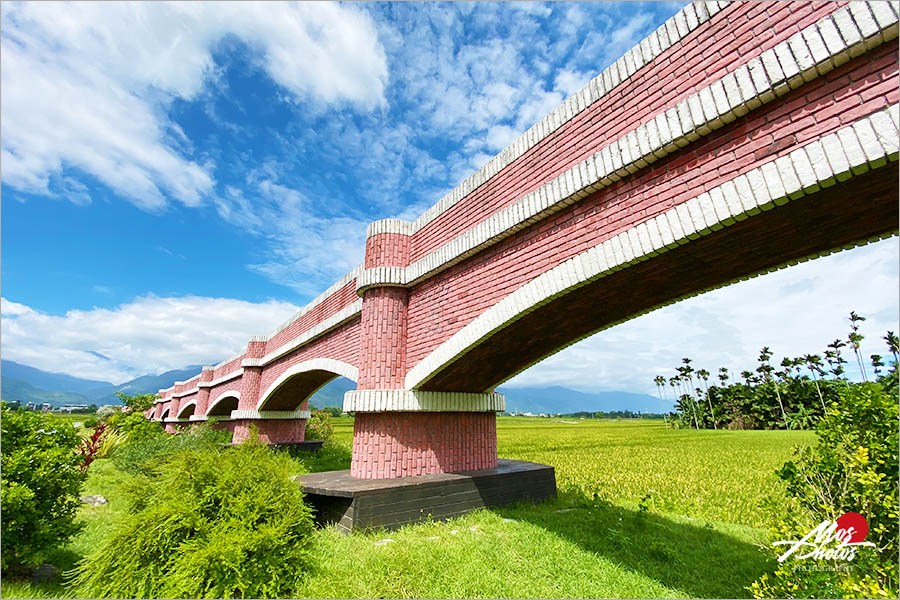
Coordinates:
179 420
193 390
867 143
269 414
666 35
333 322
422 401
196 418
817 49
221 380
317 364
398 226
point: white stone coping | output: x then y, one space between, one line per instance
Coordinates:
380 277
193 390
269 414
221 380
422 401
179 420
666 35
398 226
869 142
333 322
801 58
335 287
317 364
196 418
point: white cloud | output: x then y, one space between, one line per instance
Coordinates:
795 311
307 247
148 335
86 85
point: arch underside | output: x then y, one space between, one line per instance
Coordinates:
296 390
857 210
187 411
223 406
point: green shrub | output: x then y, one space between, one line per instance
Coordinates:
205 523
41 481
90 422
854 468
134 425
319 426
105 412
146 447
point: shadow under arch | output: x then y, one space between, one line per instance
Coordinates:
223 404
187 411
164 415
294 387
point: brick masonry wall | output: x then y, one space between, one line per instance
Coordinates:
271 431
383 338
340 344
442 305
403 444
739 33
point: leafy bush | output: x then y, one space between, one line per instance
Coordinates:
91 422
319 426
147 447
105 412
854 468
41 481
205 523
138 402
134 425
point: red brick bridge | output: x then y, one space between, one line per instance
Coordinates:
736 139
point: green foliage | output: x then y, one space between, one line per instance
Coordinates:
40 485
854 468
90 422
319 426
134 425
206 523
142 453
138 402
794 397
105 412
333 411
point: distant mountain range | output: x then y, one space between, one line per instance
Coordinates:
28 384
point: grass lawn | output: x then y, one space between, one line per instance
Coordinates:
642 512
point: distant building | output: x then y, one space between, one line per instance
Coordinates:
31 406
46 407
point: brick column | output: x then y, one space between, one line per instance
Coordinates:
398 432
206 376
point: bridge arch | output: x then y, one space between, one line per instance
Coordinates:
186 411
293 387
164 415
224 404
718 240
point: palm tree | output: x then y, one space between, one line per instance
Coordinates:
876 364
660 381
893 343
814 364
834 358
855 338
723 375
703 374
766 370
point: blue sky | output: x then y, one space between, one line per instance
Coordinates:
178 177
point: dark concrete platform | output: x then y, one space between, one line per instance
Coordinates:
356 504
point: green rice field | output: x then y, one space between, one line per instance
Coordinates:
642 511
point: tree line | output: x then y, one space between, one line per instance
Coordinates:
791 395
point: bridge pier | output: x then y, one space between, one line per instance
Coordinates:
273 427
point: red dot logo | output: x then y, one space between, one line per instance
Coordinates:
857 522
